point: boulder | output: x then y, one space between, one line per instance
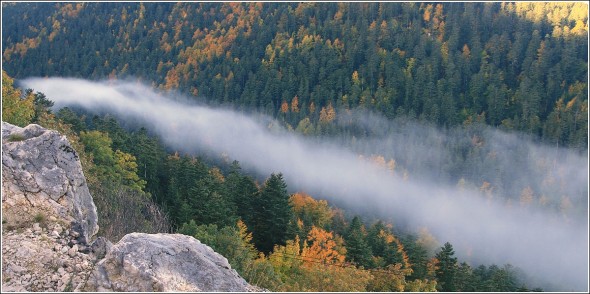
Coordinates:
164 262
42 179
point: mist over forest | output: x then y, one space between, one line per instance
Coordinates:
444 144
513 232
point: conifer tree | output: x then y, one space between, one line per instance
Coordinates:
272 214
358 251
447 268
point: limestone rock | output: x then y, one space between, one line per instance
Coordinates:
30 263
42 179
164 262
100 247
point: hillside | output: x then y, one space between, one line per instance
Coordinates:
519 66
319 147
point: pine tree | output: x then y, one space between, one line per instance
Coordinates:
272 214
447 268
358 250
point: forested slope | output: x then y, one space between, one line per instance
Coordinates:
519 66
316 68
276 240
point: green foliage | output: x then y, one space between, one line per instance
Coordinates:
234 243
41 104
39 218
111 166
71 118
272 214
358 250
447 268
15 109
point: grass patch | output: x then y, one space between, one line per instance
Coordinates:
39 218
15 137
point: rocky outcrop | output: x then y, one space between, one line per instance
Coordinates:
49 218
42 259
42 178
164 262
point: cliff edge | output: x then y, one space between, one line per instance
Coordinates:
49 224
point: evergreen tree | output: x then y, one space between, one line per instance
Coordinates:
272 214
358 250
447 268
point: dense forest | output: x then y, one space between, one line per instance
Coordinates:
520 67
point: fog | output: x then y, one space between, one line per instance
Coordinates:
548 245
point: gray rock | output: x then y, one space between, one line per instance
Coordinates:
72 252
42 181
100 247
164 262
41 174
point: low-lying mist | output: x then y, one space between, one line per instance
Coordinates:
550 245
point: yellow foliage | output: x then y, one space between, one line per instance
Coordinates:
421 286
327 114
216 173
15 110
299 272
390 279
311 211
127 169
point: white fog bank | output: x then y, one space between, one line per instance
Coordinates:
546 247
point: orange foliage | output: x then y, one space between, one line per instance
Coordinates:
311 107
285 107
323 248
171 79
295 104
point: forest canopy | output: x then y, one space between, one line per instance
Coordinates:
518 66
